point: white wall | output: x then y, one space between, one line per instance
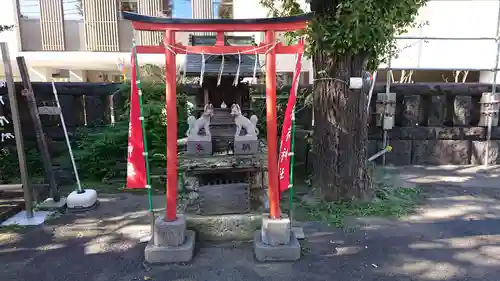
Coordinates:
250 9
8 16
451 18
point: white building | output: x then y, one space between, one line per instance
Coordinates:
57 41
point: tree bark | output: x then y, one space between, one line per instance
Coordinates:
340 136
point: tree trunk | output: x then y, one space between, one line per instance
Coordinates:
340 135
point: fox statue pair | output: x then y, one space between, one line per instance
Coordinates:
195 125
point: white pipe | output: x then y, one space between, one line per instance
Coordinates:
387 91
370 92
66 136
380 153
493 91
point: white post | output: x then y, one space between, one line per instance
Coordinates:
493 90
56 96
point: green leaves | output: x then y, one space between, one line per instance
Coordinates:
6 28
351 27
101 153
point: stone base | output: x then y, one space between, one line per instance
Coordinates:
199 147
275 232
171 233
244 146
167 254
50 205
264 252
239 227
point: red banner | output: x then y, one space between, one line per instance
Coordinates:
286 131
136 166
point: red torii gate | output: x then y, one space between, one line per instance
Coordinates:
270 47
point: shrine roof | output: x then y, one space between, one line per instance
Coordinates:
255 23
213 62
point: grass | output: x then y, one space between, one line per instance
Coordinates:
389 201
393 203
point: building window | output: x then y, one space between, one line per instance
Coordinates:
168 8
73 10
29 9
128 6
223 9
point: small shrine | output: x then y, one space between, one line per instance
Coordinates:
223 163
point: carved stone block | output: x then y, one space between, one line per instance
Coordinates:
224 199
194 147
478 153
436 111
441 152
411 109
462 110
242 146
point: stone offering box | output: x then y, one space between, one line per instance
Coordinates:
244 147
199 147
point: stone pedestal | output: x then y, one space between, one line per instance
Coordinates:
171 242
246 145
276 241
199 147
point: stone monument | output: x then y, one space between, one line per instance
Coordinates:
197 143
247 143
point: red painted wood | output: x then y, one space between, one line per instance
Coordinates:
272 129
291 26
219 40
170 100
181 49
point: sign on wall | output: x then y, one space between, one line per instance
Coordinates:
5 133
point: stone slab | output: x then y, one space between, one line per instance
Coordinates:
265 253
299 232
436 112
221 199
242 147
50 204
165 254
462 107
441 152
21 218
238 227
170 233
478 152
275 232
411 110
426 133
198 147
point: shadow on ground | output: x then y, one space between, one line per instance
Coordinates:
455 235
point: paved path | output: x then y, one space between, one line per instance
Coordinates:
454 236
